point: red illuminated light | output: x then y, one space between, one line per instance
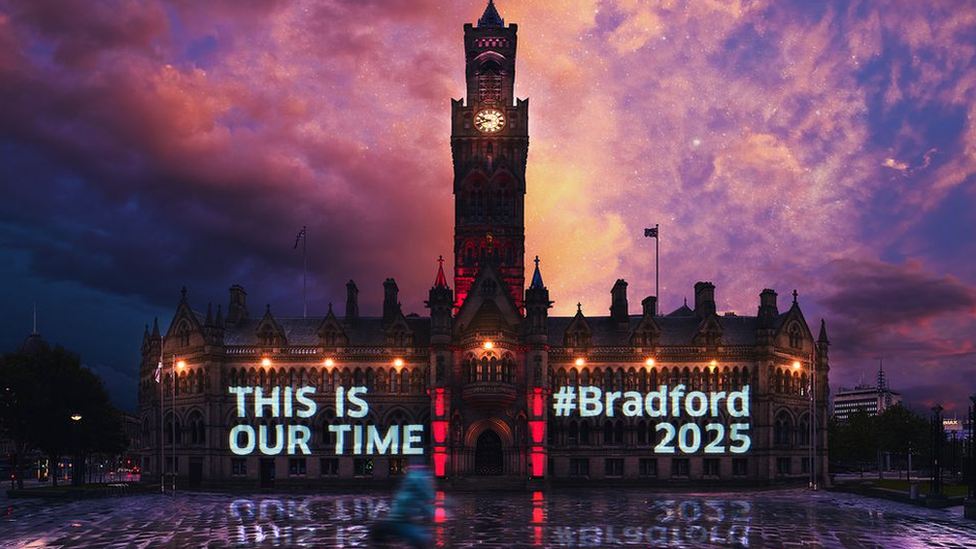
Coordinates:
537 404
440 462
537 515
538 463
440 431
538 430
439 402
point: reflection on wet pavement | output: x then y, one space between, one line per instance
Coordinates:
555 518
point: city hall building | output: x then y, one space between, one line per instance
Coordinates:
503 392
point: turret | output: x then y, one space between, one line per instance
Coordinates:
537 305
440 301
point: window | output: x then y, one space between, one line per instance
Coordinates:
740 467
238 467
362 467
613 467
796 339
782 430
579 467
783 466
710 467
329 467
398 466
648 467
573 438
679 467
490 83
296 467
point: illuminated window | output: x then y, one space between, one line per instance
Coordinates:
398 466
362 467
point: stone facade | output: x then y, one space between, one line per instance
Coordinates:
479 372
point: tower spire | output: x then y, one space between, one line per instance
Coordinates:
823 331
34 330
440 281
491 18
536 276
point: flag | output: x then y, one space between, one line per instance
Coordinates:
301 234
652 233
159 371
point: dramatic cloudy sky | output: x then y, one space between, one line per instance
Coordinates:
823 146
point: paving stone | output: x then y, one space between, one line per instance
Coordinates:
595 518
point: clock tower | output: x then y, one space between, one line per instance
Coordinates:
489 144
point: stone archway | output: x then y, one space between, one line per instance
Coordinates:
488 455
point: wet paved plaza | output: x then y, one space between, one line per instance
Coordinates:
556 518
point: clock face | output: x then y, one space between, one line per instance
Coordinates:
489 120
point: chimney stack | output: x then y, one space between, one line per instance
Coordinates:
618 302
704 299
650 305
767 305
391 307
237 308
352 301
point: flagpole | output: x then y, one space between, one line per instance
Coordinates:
657 268
304 271
173 423
162 458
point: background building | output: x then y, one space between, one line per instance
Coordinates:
479 371
871 399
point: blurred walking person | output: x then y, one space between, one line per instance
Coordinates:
411 511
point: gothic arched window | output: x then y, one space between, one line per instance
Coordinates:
796 340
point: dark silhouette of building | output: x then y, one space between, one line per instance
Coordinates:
480 370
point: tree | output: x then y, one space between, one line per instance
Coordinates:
53 404
901 431
862 437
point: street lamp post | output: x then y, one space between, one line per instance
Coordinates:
180 365
77 475
970 503
813 420
972 448
937 436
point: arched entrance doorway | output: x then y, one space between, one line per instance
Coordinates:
488 454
